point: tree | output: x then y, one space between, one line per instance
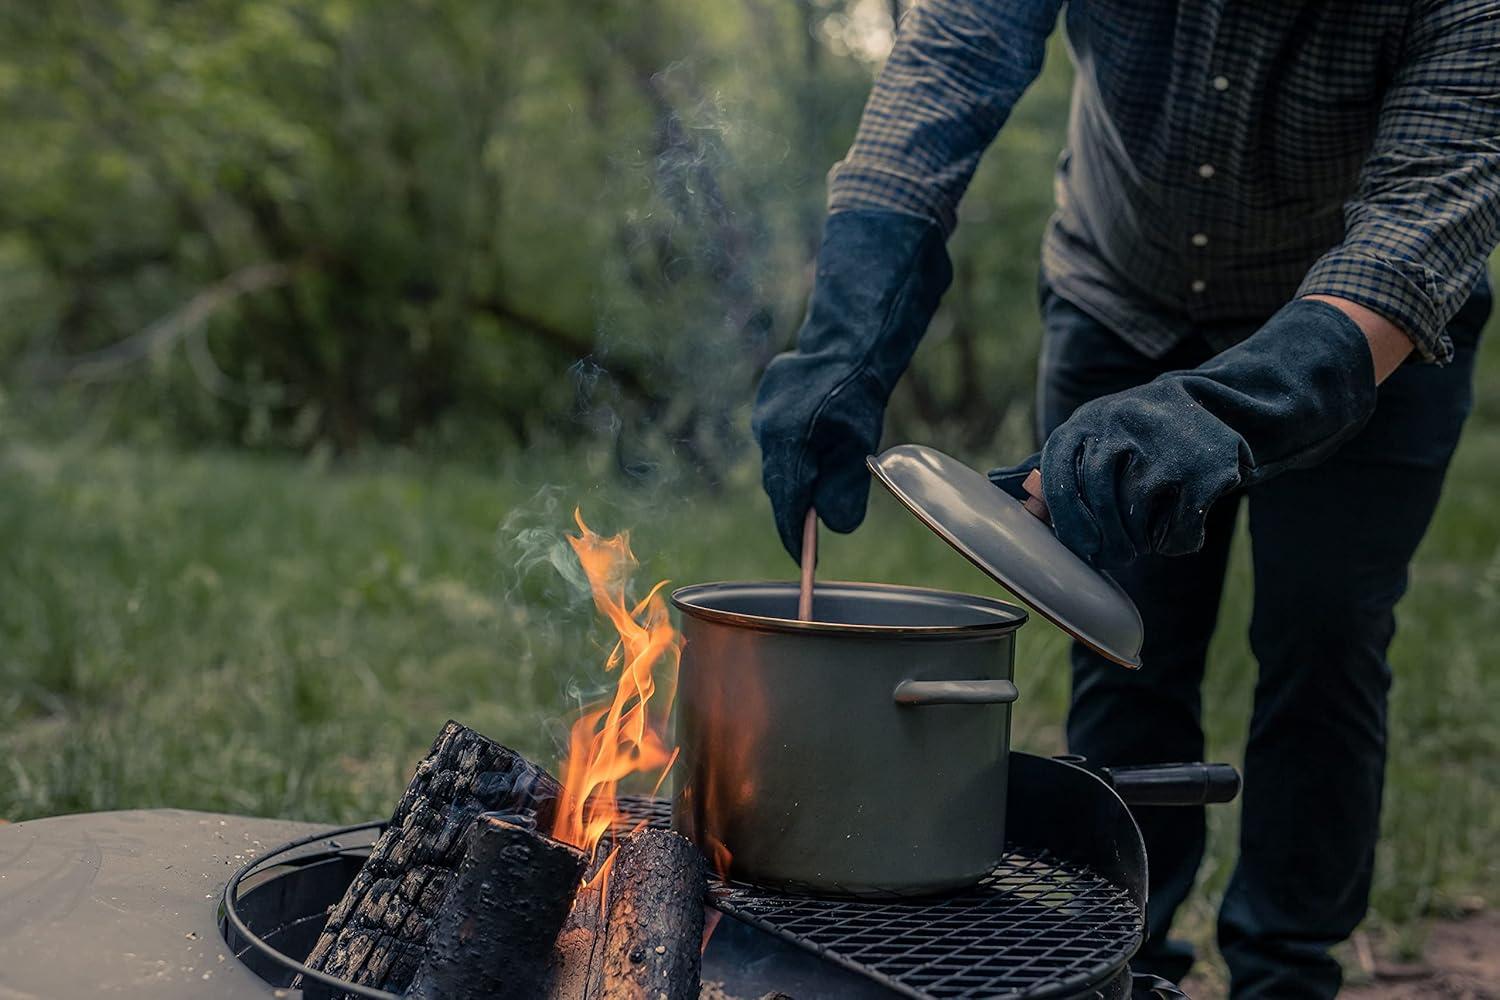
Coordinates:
283 222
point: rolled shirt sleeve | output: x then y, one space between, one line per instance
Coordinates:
1426 214
957 69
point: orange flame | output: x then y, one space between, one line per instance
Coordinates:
624 735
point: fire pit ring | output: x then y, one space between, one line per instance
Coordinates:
250 945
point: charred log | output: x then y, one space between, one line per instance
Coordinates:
377 934
653 932
642 941
578 954
494 936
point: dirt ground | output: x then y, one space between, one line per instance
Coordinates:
1461 962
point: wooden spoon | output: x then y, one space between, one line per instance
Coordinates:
809 563
1034 501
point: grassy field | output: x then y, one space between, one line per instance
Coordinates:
283 637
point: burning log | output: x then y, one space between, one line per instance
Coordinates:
577 959
377 934
646 944
654 919
495 933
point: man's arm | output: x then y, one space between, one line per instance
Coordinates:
957 69
1389 344
1427 212
1138 471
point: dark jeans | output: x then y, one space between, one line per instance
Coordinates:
1331 546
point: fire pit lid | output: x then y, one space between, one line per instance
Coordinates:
1000 536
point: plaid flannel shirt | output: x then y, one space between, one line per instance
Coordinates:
1222 158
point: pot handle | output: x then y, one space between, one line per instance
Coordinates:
995 691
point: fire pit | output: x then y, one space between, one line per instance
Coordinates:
1059 916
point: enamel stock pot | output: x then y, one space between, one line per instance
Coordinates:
862 753
865 751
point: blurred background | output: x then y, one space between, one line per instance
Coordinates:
318 318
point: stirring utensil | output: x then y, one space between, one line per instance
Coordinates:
809 563
1036 501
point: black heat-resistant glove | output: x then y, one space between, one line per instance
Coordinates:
1136 472
820 408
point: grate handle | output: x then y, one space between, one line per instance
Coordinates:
1194 784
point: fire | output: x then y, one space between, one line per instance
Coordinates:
625 734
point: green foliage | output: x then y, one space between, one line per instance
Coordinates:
284 222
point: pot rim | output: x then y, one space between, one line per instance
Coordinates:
682 599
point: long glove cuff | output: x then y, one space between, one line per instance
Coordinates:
1293 391
880 276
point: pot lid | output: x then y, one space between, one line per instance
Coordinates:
1000 536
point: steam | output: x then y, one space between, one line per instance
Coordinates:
687 310
559 632
700 211
531 546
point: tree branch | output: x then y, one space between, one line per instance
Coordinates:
107 362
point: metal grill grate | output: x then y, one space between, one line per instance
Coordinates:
1033 928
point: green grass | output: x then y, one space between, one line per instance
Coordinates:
282 637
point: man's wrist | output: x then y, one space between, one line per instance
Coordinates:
1389 344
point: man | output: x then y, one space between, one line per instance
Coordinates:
1264 281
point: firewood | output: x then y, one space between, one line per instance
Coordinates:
646 943
493 937
653 932
376 935
578 953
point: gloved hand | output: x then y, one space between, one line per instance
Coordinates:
820 408
1136 472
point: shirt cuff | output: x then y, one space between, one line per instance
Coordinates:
1404 293
855 185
